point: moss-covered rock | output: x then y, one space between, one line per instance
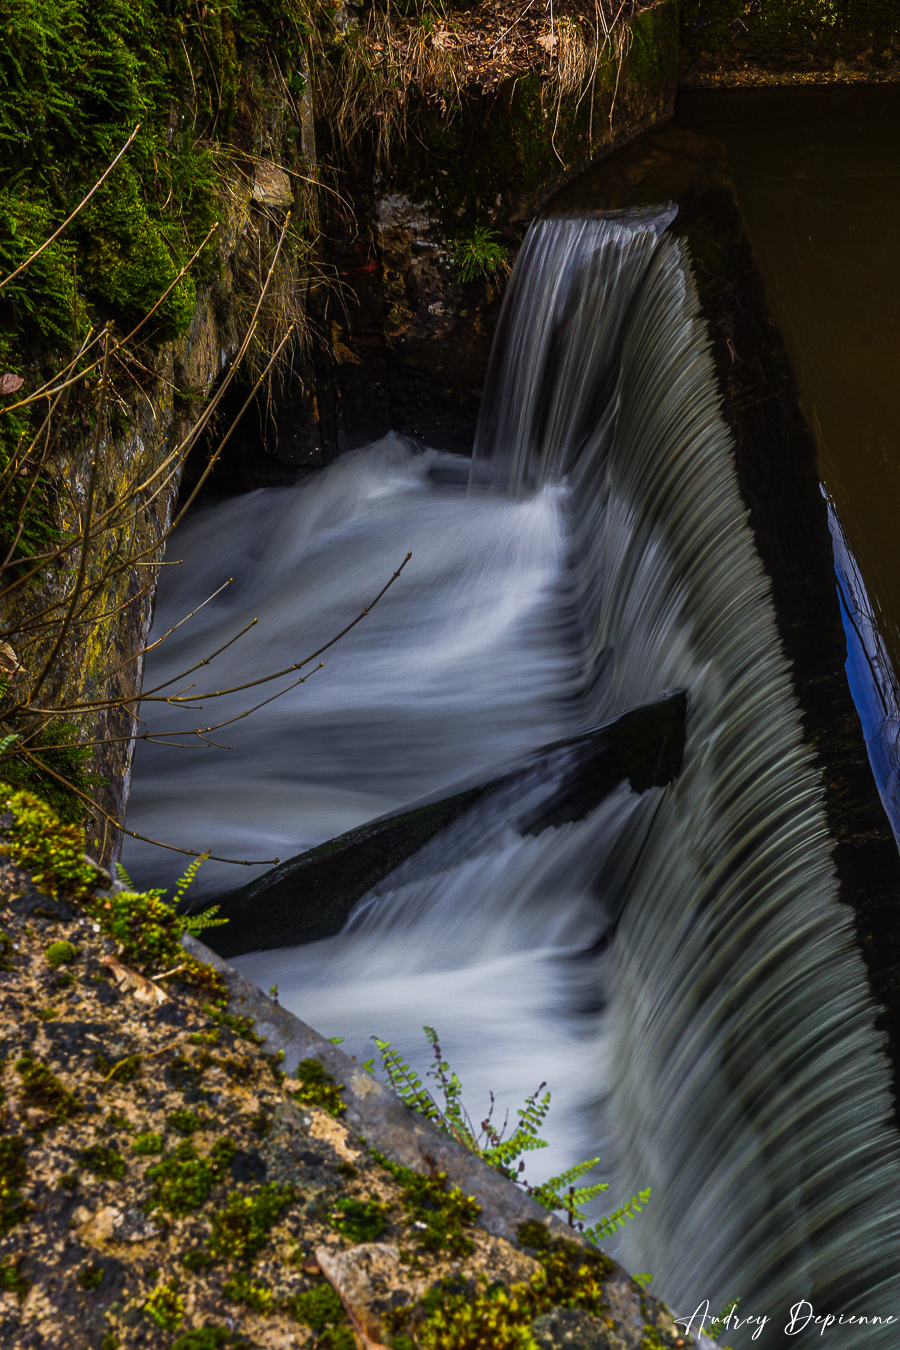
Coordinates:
189 1206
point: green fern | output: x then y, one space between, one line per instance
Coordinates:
490 1143
561 1192
184 882
123 876
605 1227
406 1082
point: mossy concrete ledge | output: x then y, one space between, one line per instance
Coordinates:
165 1183
388 1126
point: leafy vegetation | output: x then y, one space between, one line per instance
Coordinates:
165 1306
42 1089
60 954
241 1229
480 256
104 1160
557 1193
359 1220
437 1211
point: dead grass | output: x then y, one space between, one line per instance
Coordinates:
381 71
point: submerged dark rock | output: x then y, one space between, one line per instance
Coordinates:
311 896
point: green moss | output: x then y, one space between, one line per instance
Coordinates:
209 1338
490 1317
117 1120
241 1289
13 1172
318 1308
184 1181
42 1089
12 1279
52 851
360 1220
6 951
242 1228
75 81
196 1260
147 1143
184 1122
104 1160
90 1277
791 34
317 1088
165 1306
124 1070
60 954
241 1026
439 1212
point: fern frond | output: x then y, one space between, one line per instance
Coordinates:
184 881
507 1151
606 1226
406 1082
569 1177
123 876
534 1113
197 923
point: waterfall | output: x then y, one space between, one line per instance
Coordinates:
679 965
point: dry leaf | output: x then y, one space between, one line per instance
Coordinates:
548 42
145 991
9 662
9 383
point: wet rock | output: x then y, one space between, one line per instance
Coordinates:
271 186
572 1329
367 1278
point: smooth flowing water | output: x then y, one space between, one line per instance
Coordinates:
677 965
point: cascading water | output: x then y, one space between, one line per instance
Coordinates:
719 1045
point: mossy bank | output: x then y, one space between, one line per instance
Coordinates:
163 1182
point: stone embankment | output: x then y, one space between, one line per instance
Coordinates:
184 1164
